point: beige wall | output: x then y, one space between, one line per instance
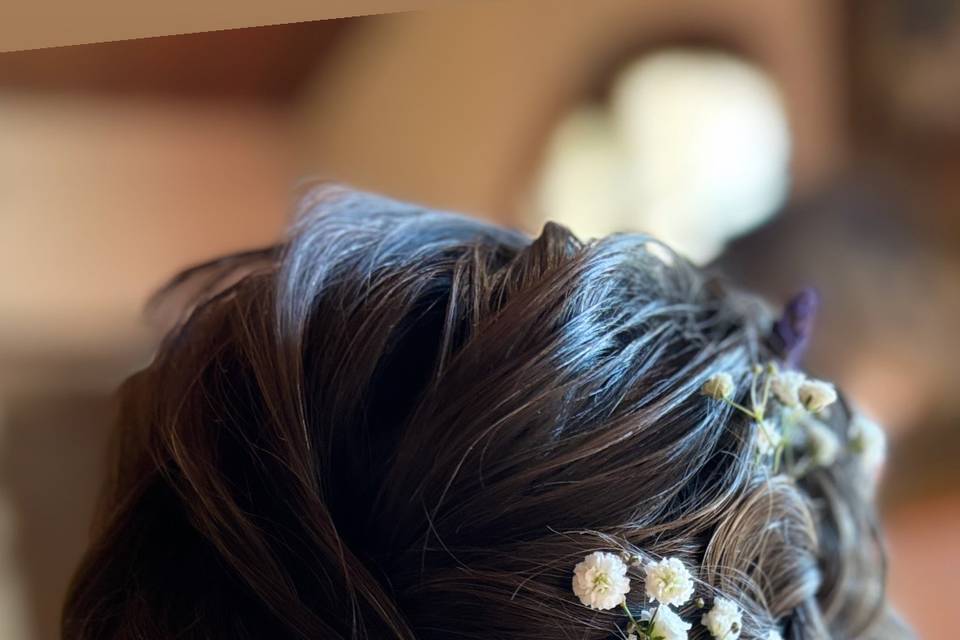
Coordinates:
104 199
101 201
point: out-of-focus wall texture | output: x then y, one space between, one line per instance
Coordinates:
124 162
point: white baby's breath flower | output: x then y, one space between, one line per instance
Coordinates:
816 395
768 437
719 386
724 620
666 624
668 582
786 387
869 442
824 443
601 581
632 636
773 634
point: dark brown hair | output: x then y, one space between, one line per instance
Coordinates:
401 423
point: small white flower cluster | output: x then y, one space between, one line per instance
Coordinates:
824 443
600 582
869 442
778 402
668 582
768 437
719 386
663 622
724 620
793 389
799 402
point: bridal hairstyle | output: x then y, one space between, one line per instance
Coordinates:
402 423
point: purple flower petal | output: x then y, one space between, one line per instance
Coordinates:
791 333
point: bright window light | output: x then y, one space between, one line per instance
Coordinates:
693 148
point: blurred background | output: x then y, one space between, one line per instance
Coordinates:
790 143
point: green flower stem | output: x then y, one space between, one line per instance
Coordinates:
740 407
653 618
757 370
766 390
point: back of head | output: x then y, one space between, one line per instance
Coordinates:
401 423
